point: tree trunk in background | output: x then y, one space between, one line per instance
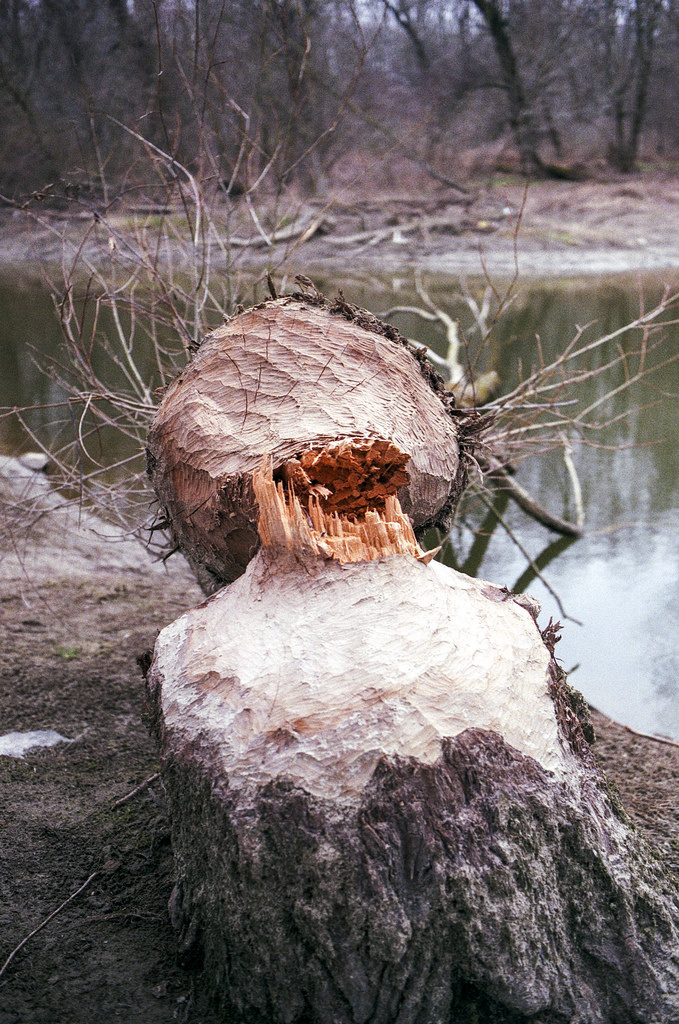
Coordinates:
403 18
629 93
521 118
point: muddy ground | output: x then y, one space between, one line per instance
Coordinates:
502 225
73 626
77 609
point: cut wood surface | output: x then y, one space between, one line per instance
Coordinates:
280 380
317 672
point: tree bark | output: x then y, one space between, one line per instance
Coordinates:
629 88
404 20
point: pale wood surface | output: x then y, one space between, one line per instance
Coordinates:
315 671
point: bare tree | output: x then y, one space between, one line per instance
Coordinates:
406 16
627 38
521 117
21 43
289 89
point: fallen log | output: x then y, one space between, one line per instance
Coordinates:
302 228
287 379
384 806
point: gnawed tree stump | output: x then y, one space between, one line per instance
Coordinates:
332 651
285 380
383 806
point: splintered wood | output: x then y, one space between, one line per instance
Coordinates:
337 503
351 476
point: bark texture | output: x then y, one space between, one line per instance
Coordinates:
283 381
356 837
477 888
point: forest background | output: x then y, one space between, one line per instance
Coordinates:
313 95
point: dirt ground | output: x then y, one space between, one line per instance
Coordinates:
546 228
73 626
70 819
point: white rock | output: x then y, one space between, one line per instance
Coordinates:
36 461
16 744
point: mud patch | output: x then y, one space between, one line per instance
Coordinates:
69 663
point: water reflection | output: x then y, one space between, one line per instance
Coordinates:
27 319
37 377
621 580
625 593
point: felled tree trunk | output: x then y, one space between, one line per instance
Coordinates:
384 808
285 380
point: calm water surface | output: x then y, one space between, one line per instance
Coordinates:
621 581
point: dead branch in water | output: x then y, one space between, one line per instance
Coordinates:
636 732
498 474
544 411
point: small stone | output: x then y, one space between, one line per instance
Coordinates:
37 461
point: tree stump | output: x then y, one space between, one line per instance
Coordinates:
384 808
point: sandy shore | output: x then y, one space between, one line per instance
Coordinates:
547 229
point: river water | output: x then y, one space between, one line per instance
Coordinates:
616 590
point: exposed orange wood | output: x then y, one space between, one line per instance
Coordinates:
285 524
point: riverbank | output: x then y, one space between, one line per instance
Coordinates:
89 813
543 229
625 224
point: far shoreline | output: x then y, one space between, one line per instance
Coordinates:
505 229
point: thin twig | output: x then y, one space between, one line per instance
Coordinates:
452 361
137 789
575 482
95 874
650 736
515 540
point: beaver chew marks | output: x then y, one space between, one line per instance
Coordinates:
338 502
